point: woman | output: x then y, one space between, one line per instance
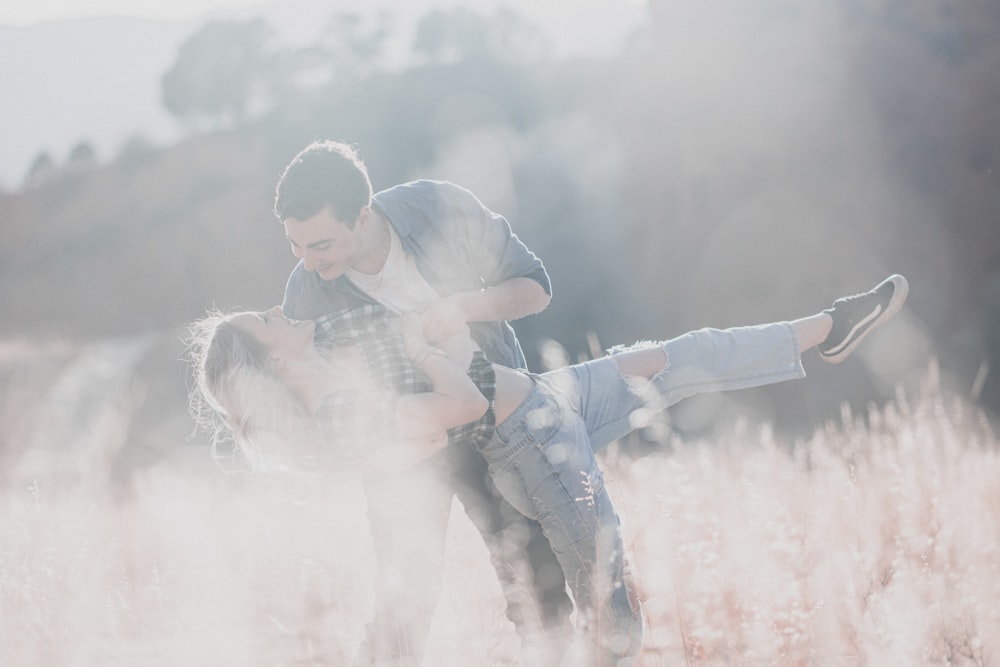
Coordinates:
264 375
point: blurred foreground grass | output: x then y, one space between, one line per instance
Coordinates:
877 542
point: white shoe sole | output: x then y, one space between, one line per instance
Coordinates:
901 289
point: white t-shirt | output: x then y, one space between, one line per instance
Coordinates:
399 285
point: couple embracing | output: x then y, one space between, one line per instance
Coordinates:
392 352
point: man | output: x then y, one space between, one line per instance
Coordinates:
433 248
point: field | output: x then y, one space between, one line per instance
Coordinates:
875 542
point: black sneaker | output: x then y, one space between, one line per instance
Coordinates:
854 317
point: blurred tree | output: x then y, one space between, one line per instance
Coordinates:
453 35
135 150
82 157
353 47
350 49
446 36
219 73
515 39
42 169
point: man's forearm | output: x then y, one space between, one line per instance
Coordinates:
509 300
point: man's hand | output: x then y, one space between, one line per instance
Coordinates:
442 319
510 300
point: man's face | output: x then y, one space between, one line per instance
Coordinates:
325 244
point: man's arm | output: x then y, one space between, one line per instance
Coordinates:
511 299
515 283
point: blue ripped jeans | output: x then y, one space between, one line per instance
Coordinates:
542 461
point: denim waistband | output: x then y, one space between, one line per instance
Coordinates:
523 427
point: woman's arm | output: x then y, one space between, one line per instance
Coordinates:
458 346
454 400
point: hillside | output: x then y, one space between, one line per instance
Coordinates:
143 246
98 79
661 194
93 80
734 163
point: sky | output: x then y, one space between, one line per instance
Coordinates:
27 12
59 103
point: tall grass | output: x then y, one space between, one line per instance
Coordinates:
876 542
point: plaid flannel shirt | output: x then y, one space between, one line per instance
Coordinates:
358 419
368 326
477 434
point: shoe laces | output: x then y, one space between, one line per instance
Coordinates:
844 300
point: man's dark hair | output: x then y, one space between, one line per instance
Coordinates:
324 173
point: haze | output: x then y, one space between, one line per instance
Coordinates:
90 72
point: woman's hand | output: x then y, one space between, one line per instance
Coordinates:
413 335
453 400
415 343
442 319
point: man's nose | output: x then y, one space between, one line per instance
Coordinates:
310 262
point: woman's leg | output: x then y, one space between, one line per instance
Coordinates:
542 463
618 393
646 362
836 331
530 575
811 331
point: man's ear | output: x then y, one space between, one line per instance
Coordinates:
364 216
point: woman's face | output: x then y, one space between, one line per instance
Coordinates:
283 337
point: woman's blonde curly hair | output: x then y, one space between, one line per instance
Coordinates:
236 398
